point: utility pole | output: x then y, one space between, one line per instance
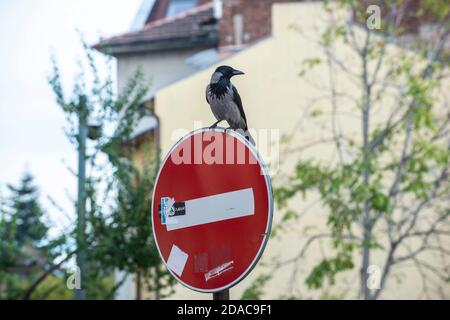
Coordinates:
80 293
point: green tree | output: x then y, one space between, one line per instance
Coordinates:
385 189
26 250
256 289
118 202
27 214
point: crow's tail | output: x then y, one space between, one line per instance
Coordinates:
249 137
246 134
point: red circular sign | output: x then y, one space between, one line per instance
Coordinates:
212 209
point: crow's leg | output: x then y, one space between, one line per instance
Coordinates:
229 128
215 124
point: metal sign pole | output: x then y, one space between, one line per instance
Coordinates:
222 295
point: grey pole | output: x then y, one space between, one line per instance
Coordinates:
222 295
80 293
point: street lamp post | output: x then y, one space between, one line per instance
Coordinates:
80 293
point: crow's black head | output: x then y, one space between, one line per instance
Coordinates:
226 72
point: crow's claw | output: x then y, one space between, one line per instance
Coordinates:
214 125
227 129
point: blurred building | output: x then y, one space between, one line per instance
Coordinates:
179 43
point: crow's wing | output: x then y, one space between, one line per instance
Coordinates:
238 101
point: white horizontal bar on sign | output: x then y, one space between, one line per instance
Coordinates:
219 207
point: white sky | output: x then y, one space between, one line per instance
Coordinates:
31 123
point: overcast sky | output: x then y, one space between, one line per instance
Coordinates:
31 124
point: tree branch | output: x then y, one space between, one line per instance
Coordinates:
44 275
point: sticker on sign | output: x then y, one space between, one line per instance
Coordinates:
177 260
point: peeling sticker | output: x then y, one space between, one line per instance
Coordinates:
219 270
166 205
169 209
177 260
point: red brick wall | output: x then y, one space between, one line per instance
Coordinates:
160 7
257 16
158 11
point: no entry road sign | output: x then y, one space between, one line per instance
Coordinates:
212 209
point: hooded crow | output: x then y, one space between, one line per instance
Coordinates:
225 101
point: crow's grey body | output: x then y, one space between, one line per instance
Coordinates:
225 108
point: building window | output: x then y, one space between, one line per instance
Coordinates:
177 6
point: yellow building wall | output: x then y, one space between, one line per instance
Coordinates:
276 97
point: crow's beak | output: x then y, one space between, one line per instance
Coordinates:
237 72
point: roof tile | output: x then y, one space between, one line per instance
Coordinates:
189 23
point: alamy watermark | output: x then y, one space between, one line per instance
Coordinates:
74 280
374 279
211 148
374 20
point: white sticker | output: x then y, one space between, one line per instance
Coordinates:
177 260
219 270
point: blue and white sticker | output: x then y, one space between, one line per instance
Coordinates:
164 201
166 208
